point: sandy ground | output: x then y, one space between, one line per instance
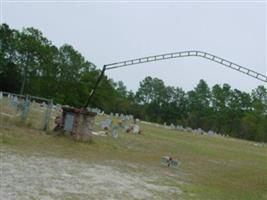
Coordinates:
46 178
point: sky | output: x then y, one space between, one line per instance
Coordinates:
111 31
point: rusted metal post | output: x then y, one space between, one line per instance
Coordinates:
92 93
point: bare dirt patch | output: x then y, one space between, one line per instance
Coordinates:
45 177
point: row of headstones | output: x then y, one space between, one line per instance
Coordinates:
18 104
117 115
122 116
190 130
96 110
107 124
182 129
15 100
10 96
199 131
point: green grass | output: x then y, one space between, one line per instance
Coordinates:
211 167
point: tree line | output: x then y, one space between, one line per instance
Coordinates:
31 64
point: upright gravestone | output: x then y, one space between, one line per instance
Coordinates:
14 101
200 131
115 133
105 124
25 108
136 129
122 117
69 121
210 133
1 95
165 124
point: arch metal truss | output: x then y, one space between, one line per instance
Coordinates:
180 54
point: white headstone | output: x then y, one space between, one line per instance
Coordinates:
1 95
136 128
210 133
14 101
200 131
115 133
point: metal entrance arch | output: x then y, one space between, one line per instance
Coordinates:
180 54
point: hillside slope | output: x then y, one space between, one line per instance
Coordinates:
129 167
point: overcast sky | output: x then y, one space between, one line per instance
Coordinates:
106 32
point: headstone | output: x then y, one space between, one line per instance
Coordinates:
105 124
200 131
136 128
179 128
14 101
210 133
188 129
126 127
92 110
1 95
25 109
115 133
96 110
165 124
68 125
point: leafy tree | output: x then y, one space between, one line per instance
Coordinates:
259 100
9 67
199 104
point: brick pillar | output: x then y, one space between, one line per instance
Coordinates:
82 124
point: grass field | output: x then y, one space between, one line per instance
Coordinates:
210 167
